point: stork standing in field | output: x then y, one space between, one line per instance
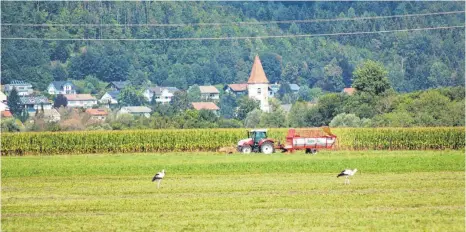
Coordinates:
158 177
347 173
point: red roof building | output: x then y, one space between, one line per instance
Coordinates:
349 91
205 106
97 114
6 114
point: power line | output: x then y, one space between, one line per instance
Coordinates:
230 23
240 37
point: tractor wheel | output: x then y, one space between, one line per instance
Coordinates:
246 149
267 148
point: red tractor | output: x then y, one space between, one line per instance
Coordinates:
257 141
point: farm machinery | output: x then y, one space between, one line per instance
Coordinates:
297 139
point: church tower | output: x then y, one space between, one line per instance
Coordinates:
258 85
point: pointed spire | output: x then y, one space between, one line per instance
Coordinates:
257 73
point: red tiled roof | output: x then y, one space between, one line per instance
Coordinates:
257 73
79 97
97 112
6 114
208 89
349 91
205 106
238 87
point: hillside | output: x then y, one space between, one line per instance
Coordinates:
416 60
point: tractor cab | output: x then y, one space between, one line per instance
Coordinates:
257 141
257 135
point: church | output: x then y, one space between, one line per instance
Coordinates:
258 85
256 88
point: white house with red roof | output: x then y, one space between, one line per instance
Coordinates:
209 92
237 89
80 100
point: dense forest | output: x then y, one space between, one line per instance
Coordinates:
103 40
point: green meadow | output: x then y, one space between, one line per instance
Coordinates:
392 191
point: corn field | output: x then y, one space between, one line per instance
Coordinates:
46 143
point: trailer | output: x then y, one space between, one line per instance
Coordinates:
310 140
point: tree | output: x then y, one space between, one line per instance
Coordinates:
329 106
290 73
10 125
283 90
371 77
333 77
24 115
246 105
180 101
194 94
253 119
60 100
138 79
228 105
440 75
129 96
14 103
345 120
297 115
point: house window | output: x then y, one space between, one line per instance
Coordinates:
259 91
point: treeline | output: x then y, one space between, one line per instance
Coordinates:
414 60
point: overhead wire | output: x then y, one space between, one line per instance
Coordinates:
236 37
227 24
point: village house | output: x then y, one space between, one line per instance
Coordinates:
349 91
258 85
97 114
33 103
6 114
61 87
136 111
206 106
23 88
163 95
294 88
209 93
273 89
118 85
80 100
110 98
236 89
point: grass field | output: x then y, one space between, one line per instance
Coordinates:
393 191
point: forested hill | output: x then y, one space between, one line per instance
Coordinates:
415 60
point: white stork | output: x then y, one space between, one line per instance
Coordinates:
347 173
158 177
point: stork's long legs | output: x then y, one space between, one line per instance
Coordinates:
158 183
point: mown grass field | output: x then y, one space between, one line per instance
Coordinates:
393 191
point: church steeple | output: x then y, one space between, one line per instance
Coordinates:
257 73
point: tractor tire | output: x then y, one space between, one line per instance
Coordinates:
267 148
246 150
